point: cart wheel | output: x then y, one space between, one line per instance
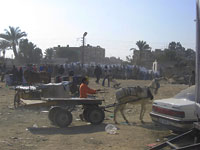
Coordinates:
85 114
63 118
16 100
96 116
52 113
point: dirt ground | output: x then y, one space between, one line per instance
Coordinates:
31 130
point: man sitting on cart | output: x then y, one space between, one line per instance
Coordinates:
84 89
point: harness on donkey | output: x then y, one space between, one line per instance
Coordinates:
149 95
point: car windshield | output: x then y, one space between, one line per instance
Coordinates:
188 93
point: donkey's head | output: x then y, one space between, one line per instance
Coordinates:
155 85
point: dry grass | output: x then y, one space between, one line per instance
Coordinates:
17 132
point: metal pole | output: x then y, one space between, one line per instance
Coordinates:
83 48
197 72
83 51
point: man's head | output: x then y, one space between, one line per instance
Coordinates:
85 80
155 85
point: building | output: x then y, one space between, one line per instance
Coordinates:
143 55
91 54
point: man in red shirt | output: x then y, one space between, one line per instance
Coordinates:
84 89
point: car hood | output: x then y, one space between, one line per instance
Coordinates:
175 103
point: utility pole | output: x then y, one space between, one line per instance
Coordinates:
83 54
197 72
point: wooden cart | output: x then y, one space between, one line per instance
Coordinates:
60 109
26 92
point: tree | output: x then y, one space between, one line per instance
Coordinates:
172 46
3 46
129 59
175 51
142 46
170 54
37 55
49 53
13 35
28 52
179 47
190 54
176 46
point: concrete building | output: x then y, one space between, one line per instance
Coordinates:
142 58
90 53
93 54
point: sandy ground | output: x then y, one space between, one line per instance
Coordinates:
17 131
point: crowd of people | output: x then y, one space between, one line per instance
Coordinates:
106 72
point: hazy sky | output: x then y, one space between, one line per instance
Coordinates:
115 25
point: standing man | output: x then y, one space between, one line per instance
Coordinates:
107 73
20 74
97 73
3 72
15 74
61 70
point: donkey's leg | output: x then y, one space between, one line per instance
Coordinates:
116 109
142 112
122 112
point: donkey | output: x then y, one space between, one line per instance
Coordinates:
36 77
135 95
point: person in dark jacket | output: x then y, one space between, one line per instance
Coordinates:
61 70
107 74
20 75
3 69
15 73
97 73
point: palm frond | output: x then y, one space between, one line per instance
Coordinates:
5 36
13 34
142 45
4 44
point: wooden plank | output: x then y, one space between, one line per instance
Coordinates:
62 101
29 102
72 99
37 103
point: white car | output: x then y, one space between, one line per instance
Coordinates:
177 113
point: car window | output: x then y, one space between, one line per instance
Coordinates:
188 93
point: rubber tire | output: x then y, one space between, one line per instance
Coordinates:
96 116
63 118
85 114
52 112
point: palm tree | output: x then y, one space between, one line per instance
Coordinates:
28 52
3 46
142 46
172 46
13 35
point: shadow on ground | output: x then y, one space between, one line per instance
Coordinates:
150 126
83 129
